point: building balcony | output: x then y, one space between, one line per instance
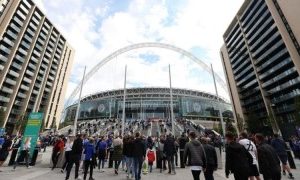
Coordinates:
274 69
277 56
4 99
286 97
26 88
284 85
10 81
6 90
246 79
16 111
21 95
13 73
245 71
279 77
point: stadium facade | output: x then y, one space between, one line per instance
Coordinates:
149 103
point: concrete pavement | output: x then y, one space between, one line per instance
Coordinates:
43 172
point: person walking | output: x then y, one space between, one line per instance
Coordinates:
68 149
139 153
101 149
211 159
238 159
89 152
26 149
117 156
194 156
161 156
128 147
280 148
58 149
251 148
268 161
75 157
151 158
169 151
182 142
4 150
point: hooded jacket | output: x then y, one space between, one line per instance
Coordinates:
195 154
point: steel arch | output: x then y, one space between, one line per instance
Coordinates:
145 45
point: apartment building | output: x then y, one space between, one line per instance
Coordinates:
261 60
35 63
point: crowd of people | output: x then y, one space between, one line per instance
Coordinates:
246 156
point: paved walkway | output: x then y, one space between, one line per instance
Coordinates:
43 172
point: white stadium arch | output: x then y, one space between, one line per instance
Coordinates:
144 45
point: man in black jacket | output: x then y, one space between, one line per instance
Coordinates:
268 161
169 151
195 155
75 156
139 153
238 159
182 142
211 159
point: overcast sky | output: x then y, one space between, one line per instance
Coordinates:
96 28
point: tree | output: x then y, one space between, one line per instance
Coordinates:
2 114
21 123
229 126
218 128
254 124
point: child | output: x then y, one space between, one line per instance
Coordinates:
151 158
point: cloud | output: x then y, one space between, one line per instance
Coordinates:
97 28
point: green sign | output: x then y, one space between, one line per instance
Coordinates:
32 130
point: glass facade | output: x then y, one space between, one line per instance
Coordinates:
145 105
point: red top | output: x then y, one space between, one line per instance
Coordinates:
151 156
59 145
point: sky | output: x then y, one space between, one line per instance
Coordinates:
97 28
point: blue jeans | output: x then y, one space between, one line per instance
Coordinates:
137 166
129 165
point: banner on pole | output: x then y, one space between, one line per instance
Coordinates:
32 130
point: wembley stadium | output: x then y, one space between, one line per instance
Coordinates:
150 103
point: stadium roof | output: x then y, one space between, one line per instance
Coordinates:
148 92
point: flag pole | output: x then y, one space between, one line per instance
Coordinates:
124 103
171 102
217 94
78 106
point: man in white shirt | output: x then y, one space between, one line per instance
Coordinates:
251 148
